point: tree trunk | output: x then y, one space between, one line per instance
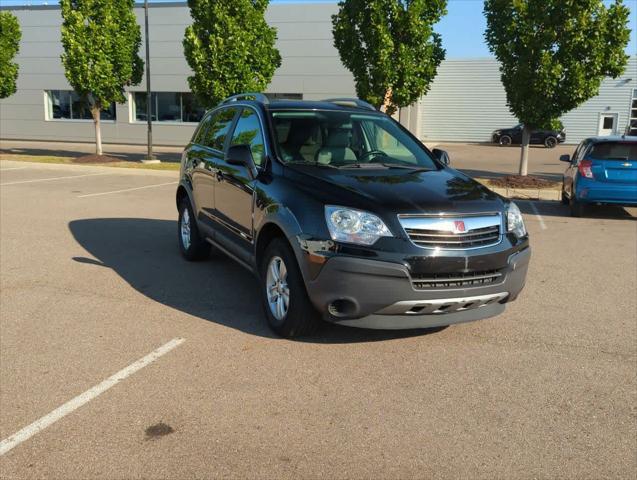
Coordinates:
388 107
524 154
95 112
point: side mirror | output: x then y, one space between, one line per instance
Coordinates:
565 158
442 156
241 155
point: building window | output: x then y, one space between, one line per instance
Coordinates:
284 96
632 123
168 107
68 105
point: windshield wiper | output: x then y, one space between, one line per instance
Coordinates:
310 164
384 164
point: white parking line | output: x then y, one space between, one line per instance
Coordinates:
12 168
127 190
537 214
54 178
72 405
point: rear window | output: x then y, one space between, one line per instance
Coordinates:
614 151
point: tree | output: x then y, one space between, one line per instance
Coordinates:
101 40
230 48
390 48
554 55
9 46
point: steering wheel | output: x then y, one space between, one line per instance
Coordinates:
372 152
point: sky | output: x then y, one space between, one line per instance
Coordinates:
462 29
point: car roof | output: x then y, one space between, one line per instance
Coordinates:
612 138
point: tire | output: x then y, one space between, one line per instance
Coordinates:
578 209
550 142
564 197
505 141
299 317
191 245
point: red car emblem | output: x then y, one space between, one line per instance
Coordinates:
459 224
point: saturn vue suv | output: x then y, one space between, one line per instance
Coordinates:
343 215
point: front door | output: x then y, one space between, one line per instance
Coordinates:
234 189
607 124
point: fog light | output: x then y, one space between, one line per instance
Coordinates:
342 308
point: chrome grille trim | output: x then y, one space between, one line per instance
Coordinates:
443 232
457 280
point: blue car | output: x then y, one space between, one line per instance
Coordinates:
602 171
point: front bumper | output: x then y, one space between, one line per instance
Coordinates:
378 294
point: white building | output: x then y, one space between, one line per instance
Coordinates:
466 101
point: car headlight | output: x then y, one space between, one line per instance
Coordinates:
515 223
354 226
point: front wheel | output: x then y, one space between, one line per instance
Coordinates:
550 142
289 311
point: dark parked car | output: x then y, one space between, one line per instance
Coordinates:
343 215
513 136
603 170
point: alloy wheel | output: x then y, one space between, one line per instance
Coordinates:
277 289
185 229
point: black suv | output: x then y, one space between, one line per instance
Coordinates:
344 216
513 135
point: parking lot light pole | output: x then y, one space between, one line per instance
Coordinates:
149 157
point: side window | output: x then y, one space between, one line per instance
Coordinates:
220 124
248 132
201 129
581 151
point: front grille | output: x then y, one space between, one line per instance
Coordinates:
451 232
456 280
478 237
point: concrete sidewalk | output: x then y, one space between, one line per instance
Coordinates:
68 149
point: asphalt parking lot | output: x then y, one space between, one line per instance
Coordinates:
171 372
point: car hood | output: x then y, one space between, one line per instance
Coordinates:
398 190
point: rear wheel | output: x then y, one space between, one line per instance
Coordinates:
191 245
550 142
578 209
288 309
564 197
505 141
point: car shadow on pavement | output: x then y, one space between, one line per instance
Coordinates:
144 253
557 209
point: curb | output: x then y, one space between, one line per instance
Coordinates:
528 193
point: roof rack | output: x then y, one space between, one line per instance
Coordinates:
351 102
259 97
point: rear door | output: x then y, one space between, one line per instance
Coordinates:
614 162
213 145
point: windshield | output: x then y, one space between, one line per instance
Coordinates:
346 140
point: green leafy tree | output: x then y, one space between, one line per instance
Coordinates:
9 46
554 55
390 48
230 48
101 40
